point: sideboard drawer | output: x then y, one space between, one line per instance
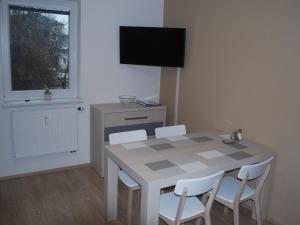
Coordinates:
133 117
149 127
116 117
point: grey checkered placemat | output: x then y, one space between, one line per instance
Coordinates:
194 161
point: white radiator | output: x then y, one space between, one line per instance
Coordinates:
39 132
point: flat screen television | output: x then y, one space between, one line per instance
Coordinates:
153 46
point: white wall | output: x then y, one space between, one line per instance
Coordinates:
102 78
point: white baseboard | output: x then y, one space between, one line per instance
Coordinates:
43 172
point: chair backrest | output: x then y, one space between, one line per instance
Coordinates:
170 131
254 171
199 185
127 137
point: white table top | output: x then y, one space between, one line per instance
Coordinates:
164 161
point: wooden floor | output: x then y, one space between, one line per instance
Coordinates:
73 197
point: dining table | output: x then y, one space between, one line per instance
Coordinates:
159 163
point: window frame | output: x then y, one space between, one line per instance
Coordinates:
72 91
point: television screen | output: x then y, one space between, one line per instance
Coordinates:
153 46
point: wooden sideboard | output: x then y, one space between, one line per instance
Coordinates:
117 117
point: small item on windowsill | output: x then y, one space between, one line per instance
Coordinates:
47 93
236 136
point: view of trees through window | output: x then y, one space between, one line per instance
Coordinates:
39 48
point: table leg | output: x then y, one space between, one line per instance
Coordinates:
111 189
150 205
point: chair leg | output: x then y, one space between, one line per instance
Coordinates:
129 209
257 211
207 219
253 213
236 214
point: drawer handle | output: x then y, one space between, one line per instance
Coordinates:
136 118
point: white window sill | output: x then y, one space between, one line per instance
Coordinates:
18 103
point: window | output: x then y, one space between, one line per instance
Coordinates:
39 48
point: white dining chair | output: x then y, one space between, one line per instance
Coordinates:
183 205
132 185
170 131
234 191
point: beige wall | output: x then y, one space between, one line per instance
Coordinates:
243 71
167 87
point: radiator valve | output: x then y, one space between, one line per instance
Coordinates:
80 108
